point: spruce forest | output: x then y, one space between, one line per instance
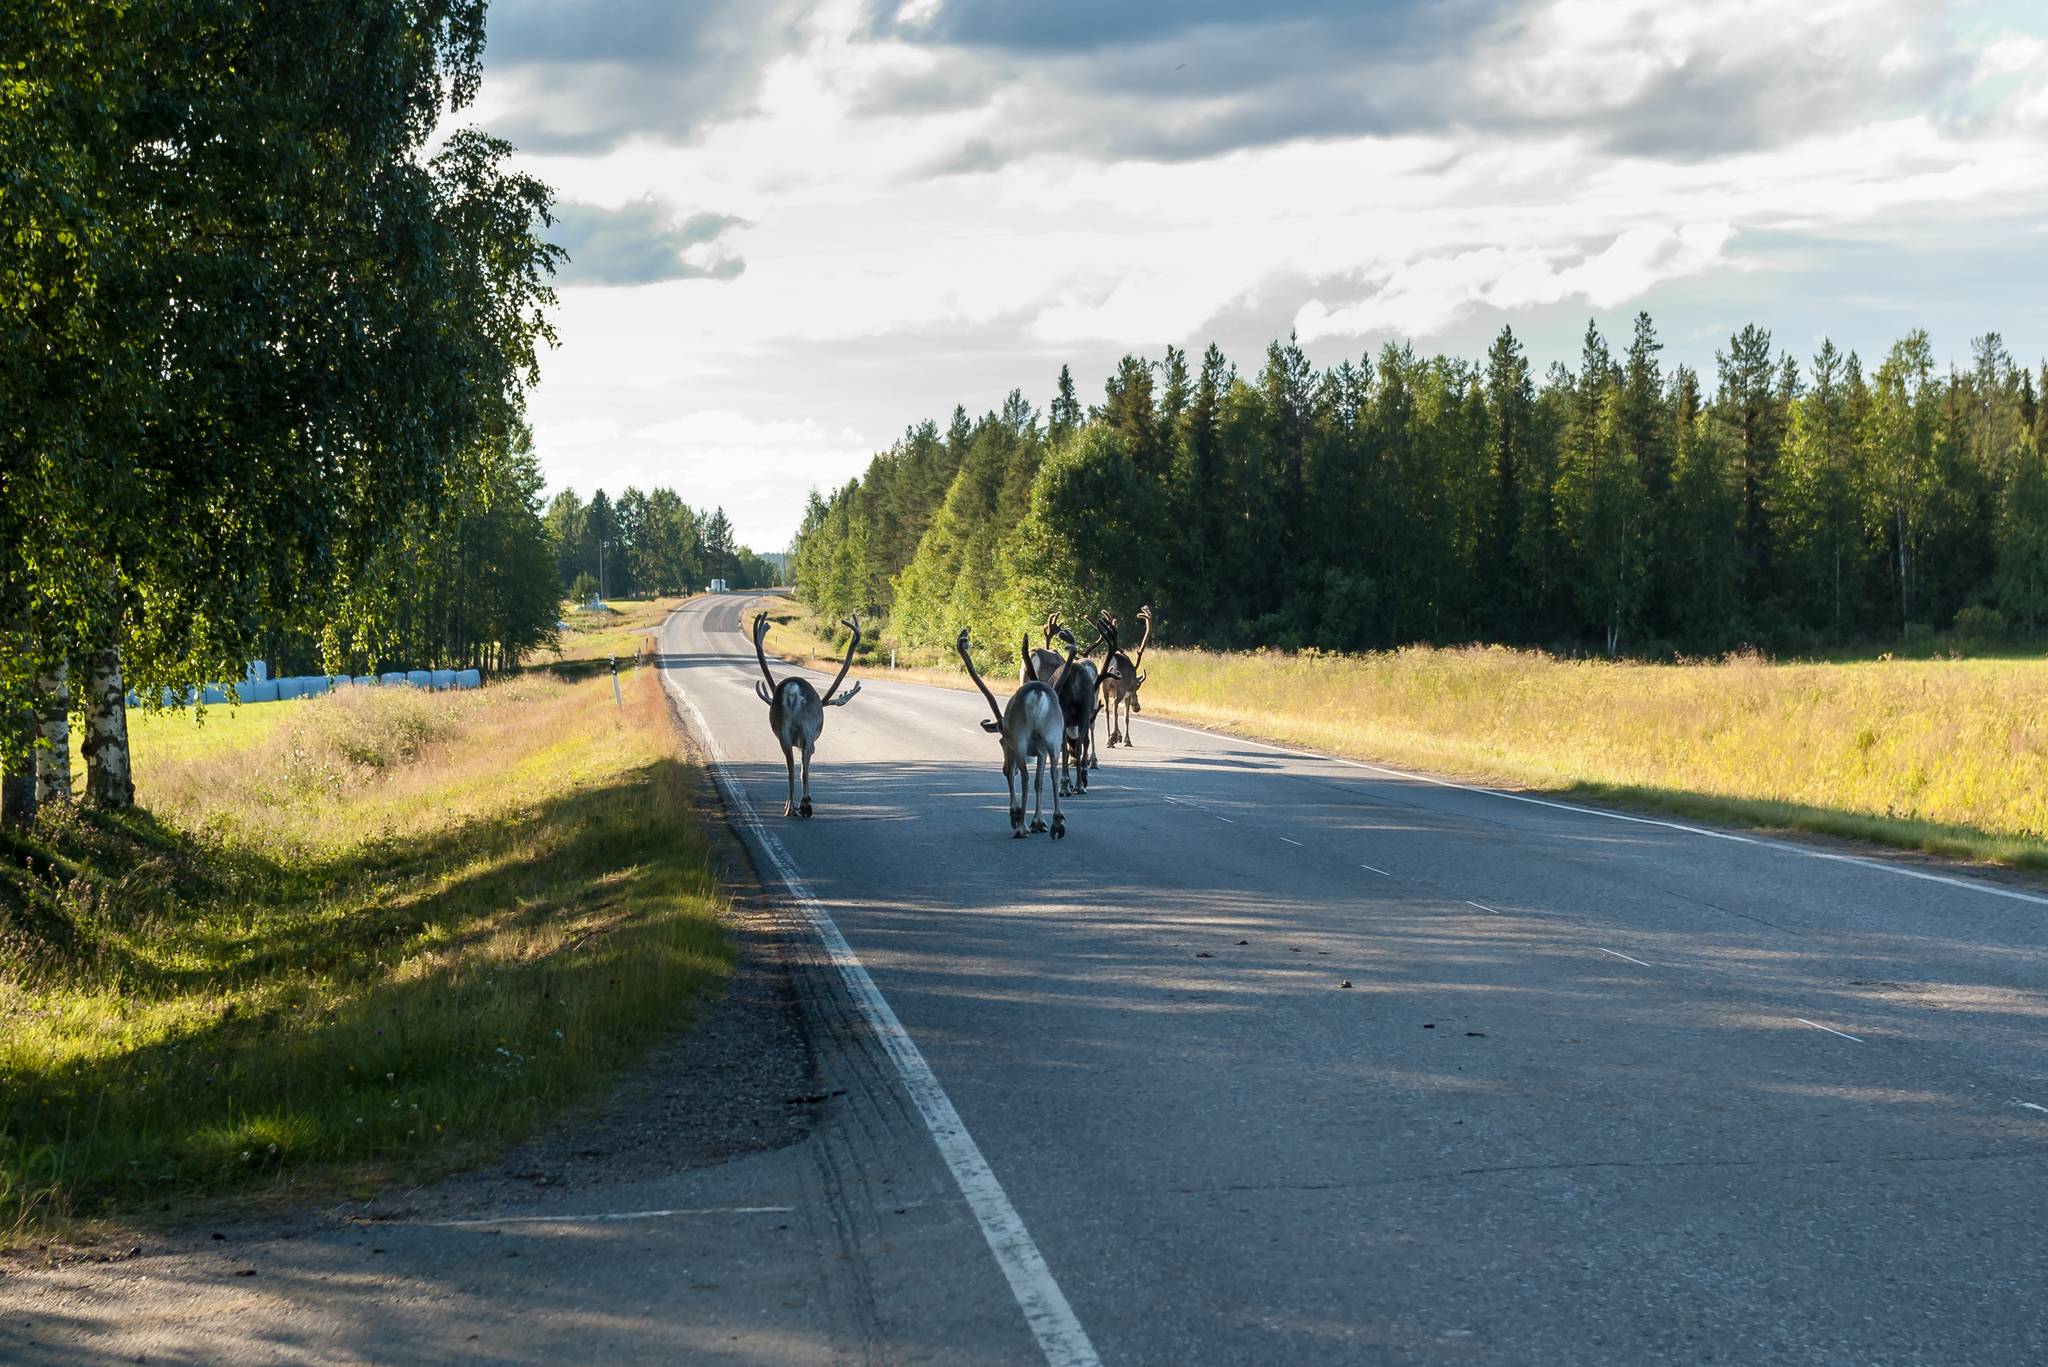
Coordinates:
1618 509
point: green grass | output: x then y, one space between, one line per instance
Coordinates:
1946 756
593 637
362 938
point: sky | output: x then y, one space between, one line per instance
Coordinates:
796 229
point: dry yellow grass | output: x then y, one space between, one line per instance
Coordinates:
1942 755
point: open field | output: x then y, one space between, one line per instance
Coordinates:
1944 756
355 939
596 636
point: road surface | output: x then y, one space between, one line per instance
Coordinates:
1278 1058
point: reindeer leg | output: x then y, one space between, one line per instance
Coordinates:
789 762
1014 781
1059 819
805 808
1037 773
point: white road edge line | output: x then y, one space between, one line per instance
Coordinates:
1967 884
1619 955
592 1219
1829 1028
2032 1107
1052 1321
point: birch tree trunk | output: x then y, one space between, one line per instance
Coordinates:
109 782
53 725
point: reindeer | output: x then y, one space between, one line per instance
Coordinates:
1042 664
796 714
1080 702
1120 682
1032 728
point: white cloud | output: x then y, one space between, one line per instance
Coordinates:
1427 296
2013 54
748 391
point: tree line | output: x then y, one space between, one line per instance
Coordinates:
645 545
1616 508
263 353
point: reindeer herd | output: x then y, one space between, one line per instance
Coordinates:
1049 722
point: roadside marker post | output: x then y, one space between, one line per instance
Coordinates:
615 682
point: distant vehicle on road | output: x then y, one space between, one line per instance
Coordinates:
718 586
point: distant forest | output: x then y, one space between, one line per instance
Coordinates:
1615 509
646 544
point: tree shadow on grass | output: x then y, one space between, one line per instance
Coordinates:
428 1000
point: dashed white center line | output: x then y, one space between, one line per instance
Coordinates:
2032 1107
1619 955
1381 872
1223 818
1482 906
1830 1029
1291 842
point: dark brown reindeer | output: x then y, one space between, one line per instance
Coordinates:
1031 728
1080 701
1121 679
796 714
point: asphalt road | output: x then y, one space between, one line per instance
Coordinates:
1281 1059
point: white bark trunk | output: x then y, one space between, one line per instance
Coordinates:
109 782
53 751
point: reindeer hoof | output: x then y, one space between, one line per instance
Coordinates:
1059 828
1036 826
788 809
806 807
1016 834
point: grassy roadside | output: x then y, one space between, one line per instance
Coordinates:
354 940
593 637
1947 757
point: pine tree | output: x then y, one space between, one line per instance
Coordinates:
1065 415
1751 407
1815 502
1702 561
1511 406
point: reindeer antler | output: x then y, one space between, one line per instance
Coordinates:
852 624
764 692
994 708
1145 616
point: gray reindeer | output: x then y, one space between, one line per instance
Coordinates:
1080 699
1031 728
796 714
